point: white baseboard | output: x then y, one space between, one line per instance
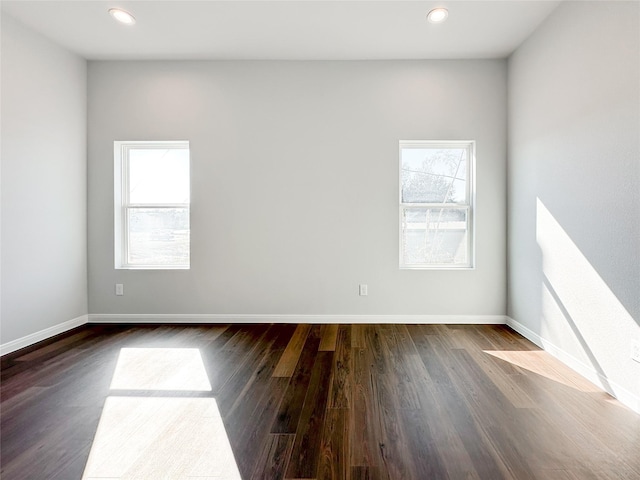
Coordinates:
290 318
623 395
36 337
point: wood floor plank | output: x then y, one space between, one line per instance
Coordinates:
395 454
365 473
422 445
357 336
258 366
440 429
260 382
248 431
52 370
287 364
274 457
227 360
291 406
373 342
579 416
60 345
306 447
475 442
340 394
364 427
500 374
334 462
328 337
499 419
52 447
399 379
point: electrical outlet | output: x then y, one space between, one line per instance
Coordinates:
635 350
364 290
119 289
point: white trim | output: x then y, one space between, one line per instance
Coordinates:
623 395
36 337
291 318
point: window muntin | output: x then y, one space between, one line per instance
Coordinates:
152 190
436 205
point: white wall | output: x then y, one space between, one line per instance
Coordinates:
44 262
295 183
574 196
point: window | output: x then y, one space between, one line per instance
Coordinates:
152 205
436 204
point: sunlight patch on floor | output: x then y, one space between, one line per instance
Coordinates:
155 438
540 363
160 369
166 435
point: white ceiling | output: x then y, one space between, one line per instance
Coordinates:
284 30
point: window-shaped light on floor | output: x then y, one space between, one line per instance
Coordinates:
161 437
160 369
175 433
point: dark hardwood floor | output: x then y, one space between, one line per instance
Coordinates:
306 401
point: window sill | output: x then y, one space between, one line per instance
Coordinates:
152 267
436 267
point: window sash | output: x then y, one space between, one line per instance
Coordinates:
128 250
404 237
469 146
126 169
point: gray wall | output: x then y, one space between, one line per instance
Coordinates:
295 183
44 255
574 196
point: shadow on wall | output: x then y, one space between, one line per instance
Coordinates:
572 289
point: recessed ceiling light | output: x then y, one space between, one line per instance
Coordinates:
438 15
122 16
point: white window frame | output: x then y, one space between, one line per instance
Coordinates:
122 203
469 206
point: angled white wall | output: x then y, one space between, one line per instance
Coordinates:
295 183
44 259
574 196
